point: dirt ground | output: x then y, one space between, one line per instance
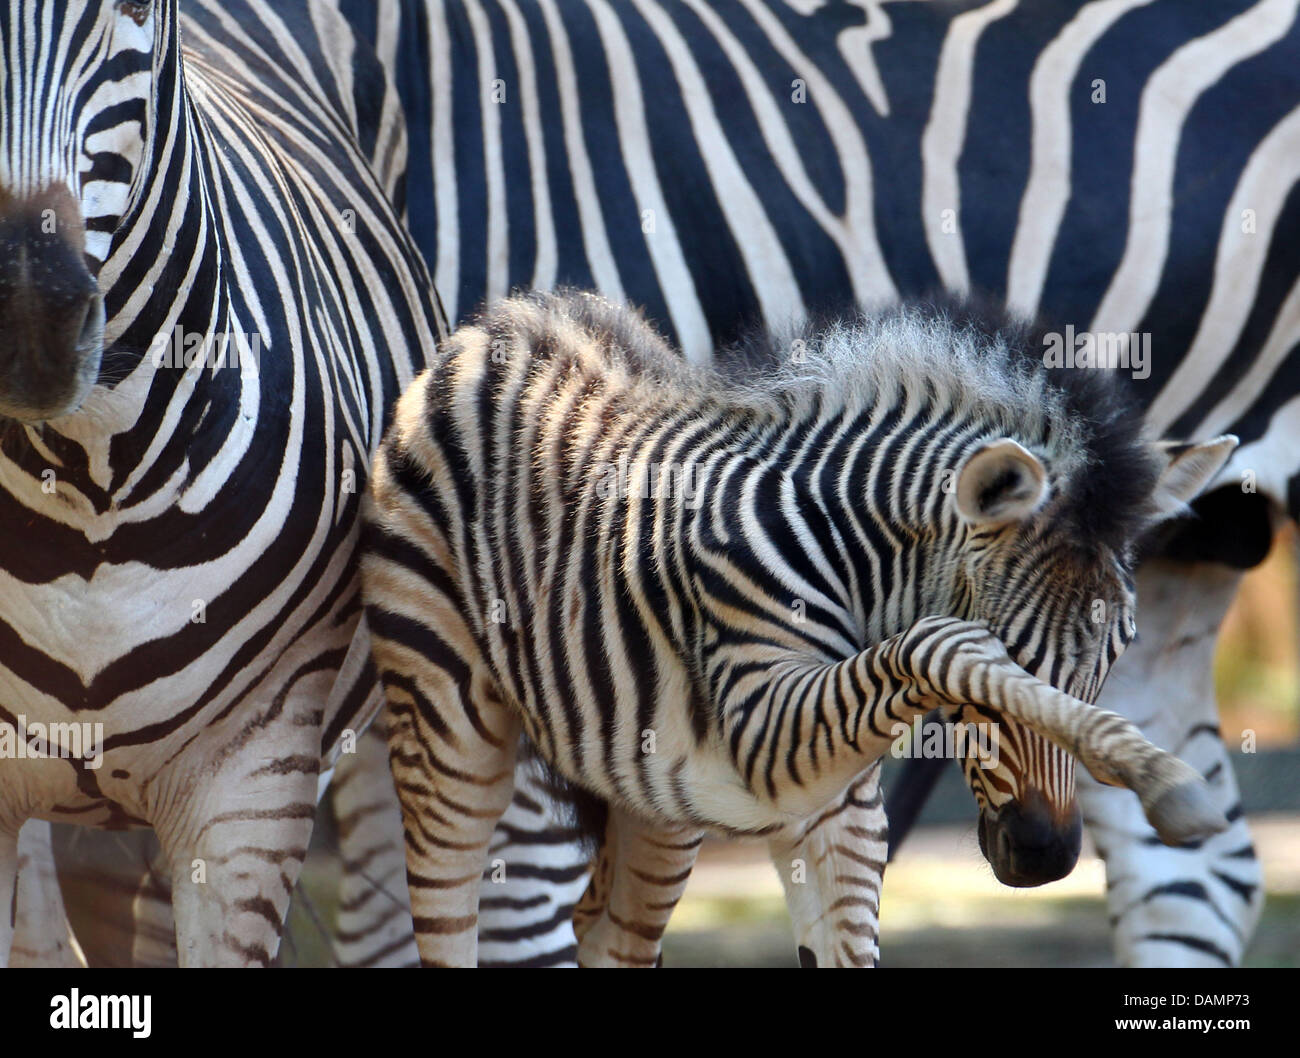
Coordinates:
943 907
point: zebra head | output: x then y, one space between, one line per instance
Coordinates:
77 84
1048 565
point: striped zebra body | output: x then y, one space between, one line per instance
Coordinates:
710 603
186 571
752 162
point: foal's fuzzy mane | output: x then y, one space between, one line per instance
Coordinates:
971 357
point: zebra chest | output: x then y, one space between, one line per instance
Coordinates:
88 624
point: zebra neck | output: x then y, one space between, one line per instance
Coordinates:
845 497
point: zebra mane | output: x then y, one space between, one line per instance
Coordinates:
964 356
980 363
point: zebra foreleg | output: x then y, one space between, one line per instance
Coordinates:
831 867
640 874
938 662
235 862
958 662
42 936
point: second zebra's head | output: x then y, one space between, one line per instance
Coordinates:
1047 535
79 80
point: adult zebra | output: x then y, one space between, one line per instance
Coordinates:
729 163
181 523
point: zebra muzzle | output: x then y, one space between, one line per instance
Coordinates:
51 310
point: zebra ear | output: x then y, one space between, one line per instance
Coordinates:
1000 482
1187 470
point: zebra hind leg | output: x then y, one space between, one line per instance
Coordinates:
537 872
640 873
831 867
373 927
452 749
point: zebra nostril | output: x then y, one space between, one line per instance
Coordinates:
92 324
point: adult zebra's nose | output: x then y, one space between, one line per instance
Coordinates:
51 311
1029 844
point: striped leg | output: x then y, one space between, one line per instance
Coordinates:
537 871
453 747
232 875
1194 904
234 866
945 661
374 917
831 867
957 662
639 875
41 933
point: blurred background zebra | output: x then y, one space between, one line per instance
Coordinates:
1123 167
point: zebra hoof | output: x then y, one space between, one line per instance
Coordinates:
1186 813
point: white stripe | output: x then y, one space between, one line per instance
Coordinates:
855 45
595 240
442 144
662 244
1167 100
546 261
1282 338
854 233
1265 183
944 137
494 176
1048 189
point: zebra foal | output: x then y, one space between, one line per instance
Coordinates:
708 602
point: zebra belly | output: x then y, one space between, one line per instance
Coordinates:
663 770
120 673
